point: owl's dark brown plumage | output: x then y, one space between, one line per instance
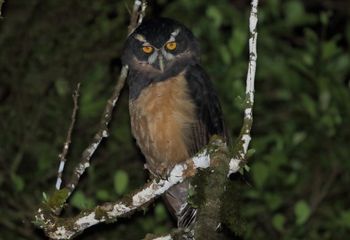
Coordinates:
173 107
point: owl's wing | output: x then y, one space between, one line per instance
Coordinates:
208 109
208 122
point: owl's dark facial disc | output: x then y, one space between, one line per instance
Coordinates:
159 45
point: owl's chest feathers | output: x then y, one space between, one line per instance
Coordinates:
161 118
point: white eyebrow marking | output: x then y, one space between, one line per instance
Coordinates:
176 32
140 37
173 35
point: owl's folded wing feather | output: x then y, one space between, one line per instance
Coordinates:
208 109
208 122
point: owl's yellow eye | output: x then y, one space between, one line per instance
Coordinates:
171 46
147 49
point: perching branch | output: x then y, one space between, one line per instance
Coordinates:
66 228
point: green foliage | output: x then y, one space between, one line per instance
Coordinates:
299 170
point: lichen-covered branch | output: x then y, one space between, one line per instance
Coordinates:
66 228
241 147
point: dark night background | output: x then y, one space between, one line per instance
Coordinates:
299 173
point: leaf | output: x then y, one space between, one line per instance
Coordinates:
294 11
80 201
45 198
225 54
215 15
121 181
298 137
345 219
250 152
309 105
238 41
17 182
330 49
291 179
324 17
273 201
260 174
302 212
278 222
102 195
160 212
62 87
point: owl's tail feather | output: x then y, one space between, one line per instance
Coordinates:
176 200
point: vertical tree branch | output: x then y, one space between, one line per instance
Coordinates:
208 217
244 138
213 184
63 155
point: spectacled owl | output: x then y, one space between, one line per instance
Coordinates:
174 109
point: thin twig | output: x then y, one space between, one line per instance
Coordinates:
63 154
321 194
107 114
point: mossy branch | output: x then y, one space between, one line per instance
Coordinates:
213 189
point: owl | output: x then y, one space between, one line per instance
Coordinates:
174 109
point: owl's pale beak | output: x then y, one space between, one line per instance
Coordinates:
161 62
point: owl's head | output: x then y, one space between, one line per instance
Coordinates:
160 45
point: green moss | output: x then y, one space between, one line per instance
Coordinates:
196 194
212 187
100 213
230 211
57 199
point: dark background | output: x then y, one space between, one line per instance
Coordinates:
299 174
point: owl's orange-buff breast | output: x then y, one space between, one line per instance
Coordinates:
161 121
